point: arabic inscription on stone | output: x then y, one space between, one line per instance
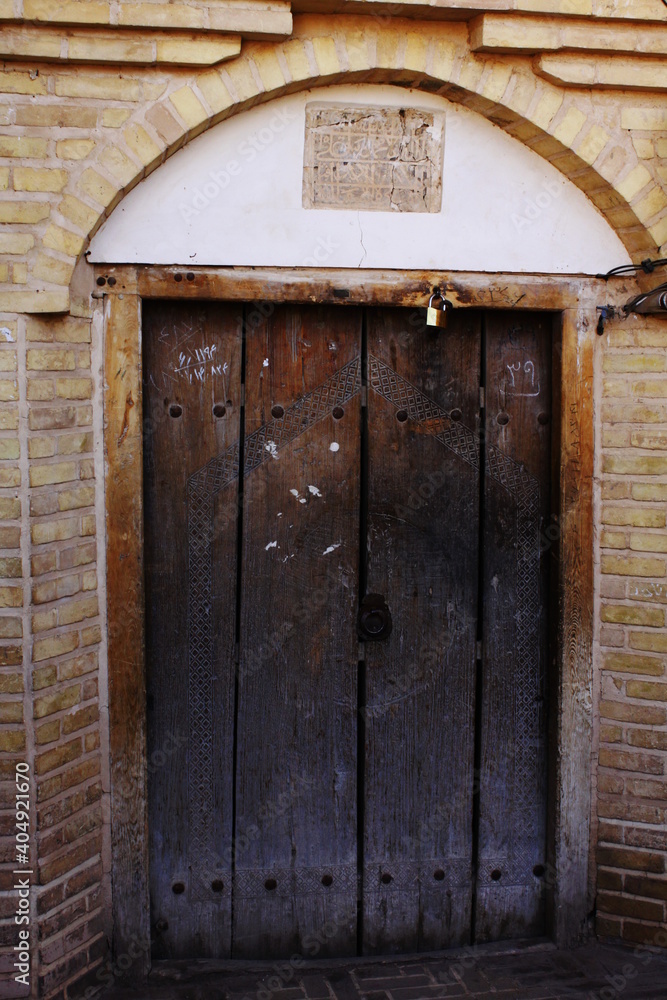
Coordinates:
373 159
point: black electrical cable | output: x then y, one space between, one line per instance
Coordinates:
648 266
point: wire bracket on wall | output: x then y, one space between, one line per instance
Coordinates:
652 303
606 312
648 266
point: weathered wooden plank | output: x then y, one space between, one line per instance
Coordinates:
125 610
192 393
295 879
575 639
516 530
423 498
343 286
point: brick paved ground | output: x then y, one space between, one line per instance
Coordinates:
593 972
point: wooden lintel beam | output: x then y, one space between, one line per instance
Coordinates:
354 287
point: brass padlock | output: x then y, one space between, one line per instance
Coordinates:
437 316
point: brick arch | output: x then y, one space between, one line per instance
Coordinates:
561 125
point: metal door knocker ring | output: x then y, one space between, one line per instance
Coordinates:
374 619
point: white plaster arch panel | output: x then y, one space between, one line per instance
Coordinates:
233 196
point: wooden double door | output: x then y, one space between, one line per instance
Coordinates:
346 521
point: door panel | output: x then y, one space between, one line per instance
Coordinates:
423 514
512 834
297 693
309 792
192 361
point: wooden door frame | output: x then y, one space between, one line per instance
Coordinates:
575 301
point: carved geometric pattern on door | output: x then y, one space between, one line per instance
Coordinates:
515 871
452 873
251 883
460 439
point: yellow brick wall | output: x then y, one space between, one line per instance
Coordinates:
93 95
632 639
49 599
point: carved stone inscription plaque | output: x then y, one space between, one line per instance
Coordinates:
373 159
